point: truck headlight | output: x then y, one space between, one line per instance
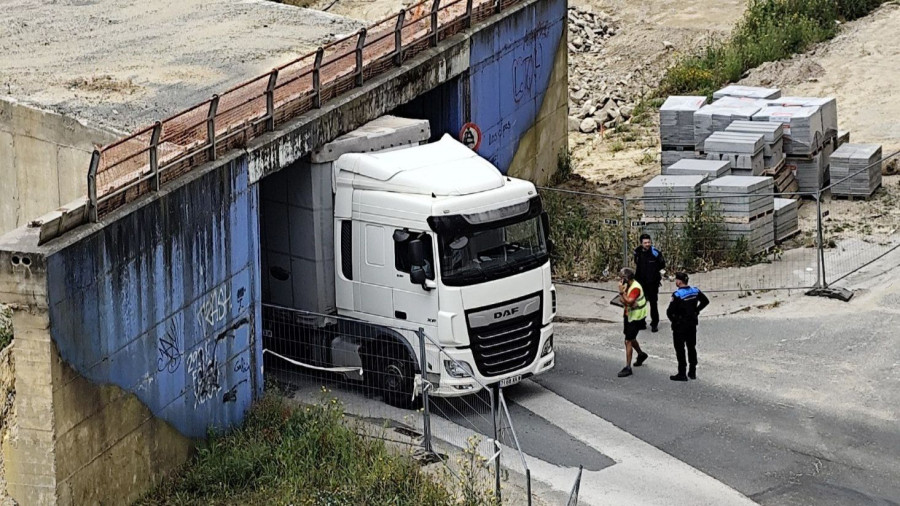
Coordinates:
548 346
458 369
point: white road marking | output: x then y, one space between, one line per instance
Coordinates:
642 474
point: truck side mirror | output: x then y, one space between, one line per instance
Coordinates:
416 262
545 221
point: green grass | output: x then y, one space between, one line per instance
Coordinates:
770 30
303 456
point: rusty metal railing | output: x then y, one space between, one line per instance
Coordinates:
138 164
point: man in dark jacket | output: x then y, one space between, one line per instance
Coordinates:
687 302
648 262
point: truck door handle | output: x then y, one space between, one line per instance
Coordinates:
400 315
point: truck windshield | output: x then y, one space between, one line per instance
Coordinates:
493 253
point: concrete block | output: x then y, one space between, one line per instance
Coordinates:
9 190
38 184
72 168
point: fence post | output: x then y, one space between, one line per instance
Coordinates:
270 100
398 38
426 417
468 23
154 156
821 280
92 186
528 485
211 126
360 43
625 224
317 78
434 22
495 399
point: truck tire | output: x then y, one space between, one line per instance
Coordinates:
392 376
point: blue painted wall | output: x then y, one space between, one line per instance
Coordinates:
165 302
510 67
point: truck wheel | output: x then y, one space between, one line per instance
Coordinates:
393 377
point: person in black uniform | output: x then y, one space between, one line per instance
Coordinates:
687 302
649 261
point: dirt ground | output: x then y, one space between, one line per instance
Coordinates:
857 68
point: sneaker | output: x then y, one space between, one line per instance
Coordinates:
640 359
625 372
678 377
654 328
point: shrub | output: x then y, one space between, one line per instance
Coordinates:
770 30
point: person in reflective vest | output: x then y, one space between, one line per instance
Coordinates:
635 318
686 304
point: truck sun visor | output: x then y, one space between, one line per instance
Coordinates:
486 219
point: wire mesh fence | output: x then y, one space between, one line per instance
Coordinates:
728 241
375 372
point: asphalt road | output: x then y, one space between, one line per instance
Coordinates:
795 405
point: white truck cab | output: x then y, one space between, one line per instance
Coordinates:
435 237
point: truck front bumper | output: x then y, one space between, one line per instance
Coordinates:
448 386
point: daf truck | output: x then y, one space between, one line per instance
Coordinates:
425 236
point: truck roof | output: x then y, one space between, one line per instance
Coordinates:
442 168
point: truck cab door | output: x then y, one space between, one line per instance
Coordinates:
415 302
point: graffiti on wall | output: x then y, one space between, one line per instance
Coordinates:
214 308
169 348
203 365
527 68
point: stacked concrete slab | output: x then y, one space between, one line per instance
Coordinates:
773 150
746 205
803 128
745 151
738 91
671 196
716 116
676 120
856 170
787 218
809 171
676 129
709 169
827 106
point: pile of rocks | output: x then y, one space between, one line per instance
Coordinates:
588 30
594 103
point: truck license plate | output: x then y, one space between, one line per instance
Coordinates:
512 380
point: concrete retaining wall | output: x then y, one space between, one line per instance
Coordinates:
44 159
134 336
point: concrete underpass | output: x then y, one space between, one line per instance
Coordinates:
137 333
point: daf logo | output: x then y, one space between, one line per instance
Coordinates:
505 313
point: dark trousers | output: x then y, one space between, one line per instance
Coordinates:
652 299
681 338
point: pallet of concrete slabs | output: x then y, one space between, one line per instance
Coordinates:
676 120
735 90
671 157
717 116
739 196
671 195
803 127
734 142
856 170
758 234
741 164
828 106
809 171
709 169
786 218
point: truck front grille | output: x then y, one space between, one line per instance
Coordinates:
511 343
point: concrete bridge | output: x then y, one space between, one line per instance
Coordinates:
137 331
